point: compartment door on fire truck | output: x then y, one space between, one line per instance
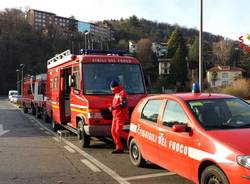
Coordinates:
174 145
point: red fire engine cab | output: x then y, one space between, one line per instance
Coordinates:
39 94
34 94
79 91
27 98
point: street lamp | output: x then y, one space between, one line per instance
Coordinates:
21 67
17 81
86 41
200 45
237 60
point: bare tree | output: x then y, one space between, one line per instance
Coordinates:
222 51
144 50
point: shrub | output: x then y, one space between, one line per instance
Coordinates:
239 88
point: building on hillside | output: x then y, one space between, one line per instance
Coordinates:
164 66
132 45
160 49
44 21
223 75
41 20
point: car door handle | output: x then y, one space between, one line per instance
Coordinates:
161 134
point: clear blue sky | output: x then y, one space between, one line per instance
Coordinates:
229 18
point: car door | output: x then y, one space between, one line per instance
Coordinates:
174 145
147 130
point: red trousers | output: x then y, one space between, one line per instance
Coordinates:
117 132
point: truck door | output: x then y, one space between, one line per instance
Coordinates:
65 95
174 155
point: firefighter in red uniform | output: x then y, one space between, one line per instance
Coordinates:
120 115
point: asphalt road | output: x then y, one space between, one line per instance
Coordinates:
30 153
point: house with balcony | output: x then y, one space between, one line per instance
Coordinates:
223 75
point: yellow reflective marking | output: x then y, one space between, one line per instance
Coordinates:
55 106
77 110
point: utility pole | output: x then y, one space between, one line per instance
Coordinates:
22 66
200 46
17 81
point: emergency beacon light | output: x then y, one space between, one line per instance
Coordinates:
196 88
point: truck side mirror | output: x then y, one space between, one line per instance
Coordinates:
147 80
70 80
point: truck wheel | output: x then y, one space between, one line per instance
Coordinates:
54 125
25 109
33 110
45 115
135 154
85 139
213 175
38 112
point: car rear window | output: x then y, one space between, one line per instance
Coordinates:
151 110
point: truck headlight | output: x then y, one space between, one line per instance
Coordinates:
95 115
244 161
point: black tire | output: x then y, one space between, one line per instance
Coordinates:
38 112
213 175
135 154
54 125
82 136
25 109
45 116
33 110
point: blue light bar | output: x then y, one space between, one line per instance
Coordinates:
115 52
196 88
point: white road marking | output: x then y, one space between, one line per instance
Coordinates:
69 149
47 132
103 167
2 131
56 139
149 176
90 165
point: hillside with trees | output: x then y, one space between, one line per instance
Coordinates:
20 44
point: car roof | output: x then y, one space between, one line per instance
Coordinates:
191 96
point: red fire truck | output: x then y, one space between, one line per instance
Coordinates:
34 94
79 90
39 94
27 98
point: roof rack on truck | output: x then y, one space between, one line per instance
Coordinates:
59 59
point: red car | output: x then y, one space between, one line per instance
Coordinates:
200 136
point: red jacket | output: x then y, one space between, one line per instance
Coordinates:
120 104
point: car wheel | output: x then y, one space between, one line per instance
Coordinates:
213 175
85 139
135 154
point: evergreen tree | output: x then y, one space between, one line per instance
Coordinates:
177 50
193 54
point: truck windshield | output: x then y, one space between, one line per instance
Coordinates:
228 113
97 78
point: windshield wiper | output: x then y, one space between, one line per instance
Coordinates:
225 126
244 126
98 92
